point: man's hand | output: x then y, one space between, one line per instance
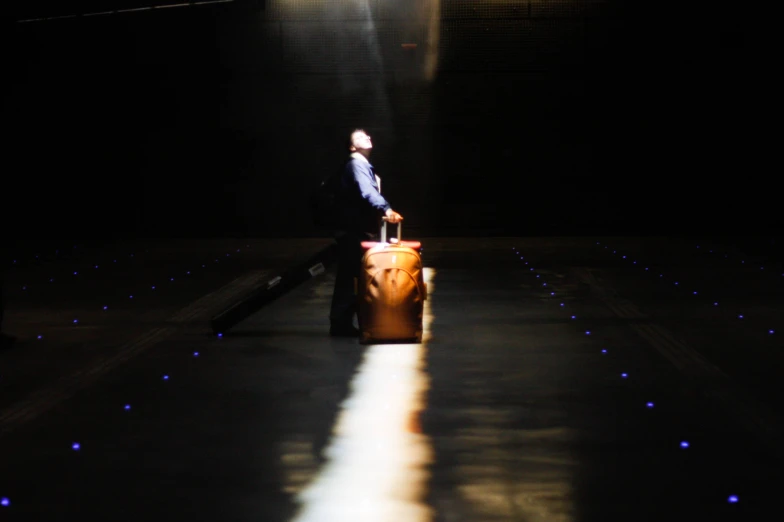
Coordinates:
393 217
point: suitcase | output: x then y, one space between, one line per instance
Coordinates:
274 288
390 291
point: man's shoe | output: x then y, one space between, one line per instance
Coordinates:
343 331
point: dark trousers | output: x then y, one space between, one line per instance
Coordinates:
344 301
3 261
2 302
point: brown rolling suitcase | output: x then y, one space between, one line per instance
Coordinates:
391 291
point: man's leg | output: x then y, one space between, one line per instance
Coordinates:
2 302
344 302
6 341
3 260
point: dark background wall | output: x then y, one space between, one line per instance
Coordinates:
513 117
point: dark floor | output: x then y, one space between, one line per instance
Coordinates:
560 379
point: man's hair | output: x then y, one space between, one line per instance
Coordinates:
351 137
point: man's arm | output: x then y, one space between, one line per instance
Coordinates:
363 177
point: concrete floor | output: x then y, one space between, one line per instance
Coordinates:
558 381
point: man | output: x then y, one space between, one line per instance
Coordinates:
362 207
6 341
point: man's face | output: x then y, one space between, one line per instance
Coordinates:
362 141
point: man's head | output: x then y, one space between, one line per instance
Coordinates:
360 142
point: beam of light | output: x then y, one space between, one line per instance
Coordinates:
378 458
368 33
432 38
339 40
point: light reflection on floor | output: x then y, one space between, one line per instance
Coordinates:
377 461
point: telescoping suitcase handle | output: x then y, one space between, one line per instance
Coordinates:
384 231
397 241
